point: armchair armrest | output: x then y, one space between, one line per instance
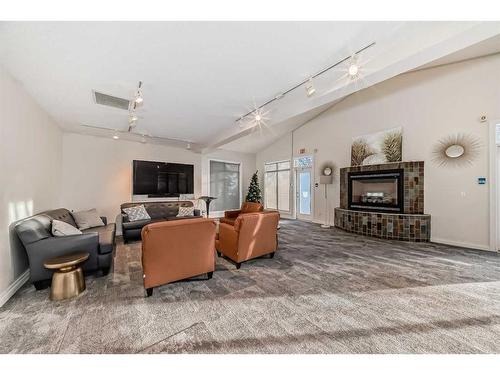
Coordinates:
104 220
124 218
228 241
232 214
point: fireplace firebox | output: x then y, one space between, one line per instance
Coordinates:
380 191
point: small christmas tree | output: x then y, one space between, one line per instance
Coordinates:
254 194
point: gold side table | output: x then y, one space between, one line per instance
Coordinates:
67 280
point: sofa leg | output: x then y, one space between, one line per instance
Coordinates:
105 270
271 255
238 266
210 274
149 292
40 285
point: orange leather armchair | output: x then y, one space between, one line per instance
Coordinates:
176 250
252 235
246 208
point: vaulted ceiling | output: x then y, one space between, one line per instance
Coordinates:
199 77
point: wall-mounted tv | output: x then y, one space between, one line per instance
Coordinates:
160 179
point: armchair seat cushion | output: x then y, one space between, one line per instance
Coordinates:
106 237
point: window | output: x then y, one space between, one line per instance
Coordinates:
225 185
277 185
303 162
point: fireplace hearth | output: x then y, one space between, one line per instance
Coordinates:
376 190
385 201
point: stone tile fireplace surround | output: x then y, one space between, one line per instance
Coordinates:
390 211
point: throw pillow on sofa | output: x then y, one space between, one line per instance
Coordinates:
61 228
87 219
137 213
185 211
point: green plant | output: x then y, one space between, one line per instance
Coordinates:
391 146
254 194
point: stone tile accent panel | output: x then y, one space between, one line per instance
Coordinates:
413 183
404 227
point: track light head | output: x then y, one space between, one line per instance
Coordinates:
310 90
353 69
138 101
116 136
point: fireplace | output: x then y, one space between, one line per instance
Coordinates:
381 191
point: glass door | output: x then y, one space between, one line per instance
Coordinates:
304 194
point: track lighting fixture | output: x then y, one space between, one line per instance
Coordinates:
188 146
139 100
310 90
353 70
115 135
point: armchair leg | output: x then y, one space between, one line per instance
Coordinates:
149 292
219 254
40 285
238 266
271 255
105 271
210 274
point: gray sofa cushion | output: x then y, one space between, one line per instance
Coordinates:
61 214
61 228
34 228
183 218
87 219
137 213
136 224
106 237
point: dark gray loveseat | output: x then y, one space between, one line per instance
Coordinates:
35 233
158 211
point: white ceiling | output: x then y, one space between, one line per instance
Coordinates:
487 47
199 77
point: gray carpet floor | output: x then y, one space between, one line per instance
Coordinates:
326 291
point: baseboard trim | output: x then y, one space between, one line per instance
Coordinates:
14 287
466 245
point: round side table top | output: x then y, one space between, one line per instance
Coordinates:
67 260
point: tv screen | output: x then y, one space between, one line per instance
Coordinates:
162 179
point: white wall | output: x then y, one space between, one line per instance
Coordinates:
498 197
97 172
429 105
30 161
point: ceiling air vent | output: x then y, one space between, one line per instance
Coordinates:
111 101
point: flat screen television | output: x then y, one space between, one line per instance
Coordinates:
160 179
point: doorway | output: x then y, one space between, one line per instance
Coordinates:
304 199
304 194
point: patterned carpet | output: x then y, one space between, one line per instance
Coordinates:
326 291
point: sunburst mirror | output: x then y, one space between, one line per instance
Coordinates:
456 150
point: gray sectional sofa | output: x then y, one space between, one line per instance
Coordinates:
158 211
36 236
